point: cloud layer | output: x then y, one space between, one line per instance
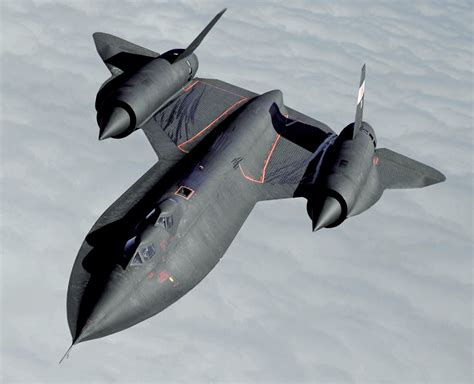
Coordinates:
385 297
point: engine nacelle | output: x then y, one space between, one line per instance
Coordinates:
128 101
340 188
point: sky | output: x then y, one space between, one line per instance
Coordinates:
385 297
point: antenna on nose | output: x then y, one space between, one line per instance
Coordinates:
66 355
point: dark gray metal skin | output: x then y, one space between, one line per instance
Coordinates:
142 81
207 223
352 174
154 244
143 93
348 182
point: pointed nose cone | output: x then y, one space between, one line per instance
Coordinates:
117 123
114 311
330 213
104 321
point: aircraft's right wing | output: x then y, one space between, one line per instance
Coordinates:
400 172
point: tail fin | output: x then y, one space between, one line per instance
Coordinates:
195 43
360 103
400 172
120 53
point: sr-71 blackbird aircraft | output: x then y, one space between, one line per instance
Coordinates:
221 149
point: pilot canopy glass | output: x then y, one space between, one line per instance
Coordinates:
144 253
167 209
151 235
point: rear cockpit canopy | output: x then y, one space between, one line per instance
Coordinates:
167 209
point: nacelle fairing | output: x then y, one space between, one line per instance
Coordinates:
142 81
128 101
340 189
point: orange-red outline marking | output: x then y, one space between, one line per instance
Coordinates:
222 89
209 125
190 86
261 179
186 89
185 198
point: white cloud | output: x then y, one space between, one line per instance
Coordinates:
385 297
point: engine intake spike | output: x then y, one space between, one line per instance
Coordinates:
117 123
329 214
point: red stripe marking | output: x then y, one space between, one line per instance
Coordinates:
163 245
222 89
261 179
164 276
209 125
190 86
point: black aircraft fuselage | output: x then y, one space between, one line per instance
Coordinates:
182 231
221 149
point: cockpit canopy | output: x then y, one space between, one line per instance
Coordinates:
167 209
144 253
165 221
141 247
